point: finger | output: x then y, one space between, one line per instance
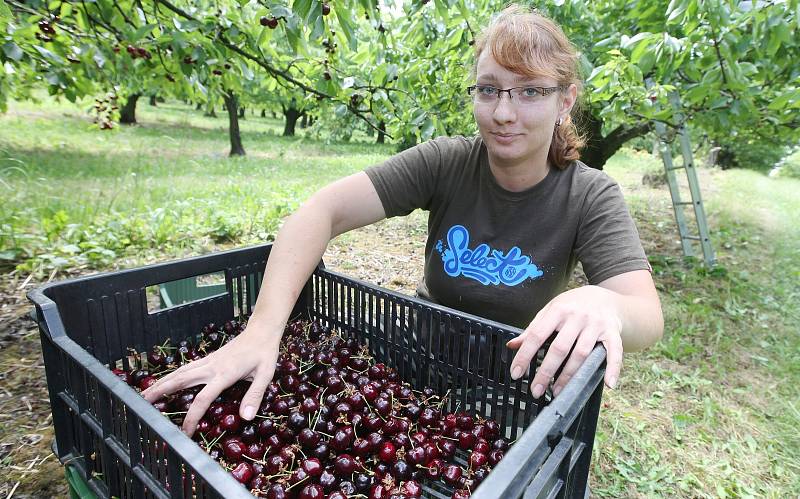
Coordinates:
583 347
555 356
517 341
613 344
533 341
200 405
173 382
252 399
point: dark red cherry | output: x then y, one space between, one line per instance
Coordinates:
243 472
387 452
477 459
345 465
312 491
312 467
451 474
495 456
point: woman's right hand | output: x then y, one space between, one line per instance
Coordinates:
250 356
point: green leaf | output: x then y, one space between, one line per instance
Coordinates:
139 33
427 129
49 55
246 71
418 116
12 51
347 27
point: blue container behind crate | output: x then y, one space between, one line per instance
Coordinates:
122 446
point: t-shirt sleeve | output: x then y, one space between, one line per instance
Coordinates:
408 180
608 243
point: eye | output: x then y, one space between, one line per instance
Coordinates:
530 92
487 90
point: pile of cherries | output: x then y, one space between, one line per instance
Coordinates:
332 424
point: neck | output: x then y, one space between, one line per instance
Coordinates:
517 177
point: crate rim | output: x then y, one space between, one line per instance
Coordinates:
39 297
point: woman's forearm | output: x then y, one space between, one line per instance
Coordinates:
641 320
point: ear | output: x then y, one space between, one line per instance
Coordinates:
568 99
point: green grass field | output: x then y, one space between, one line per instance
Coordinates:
711 411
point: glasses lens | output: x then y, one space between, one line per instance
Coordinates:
484 93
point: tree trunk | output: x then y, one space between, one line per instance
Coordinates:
210 113
263 113
199 106
599 149
304 120
127 113
153 100
291 114
241 113
381 133
233 124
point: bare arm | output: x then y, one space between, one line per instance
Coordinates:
622 312
344 205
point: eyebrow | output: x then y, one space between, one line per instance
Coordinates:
518 79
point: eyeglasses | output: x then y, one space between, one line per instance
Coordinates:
487 94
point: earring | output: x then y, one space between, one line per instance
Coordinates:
558 123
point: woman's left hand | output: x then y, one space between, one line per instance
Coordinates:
583 317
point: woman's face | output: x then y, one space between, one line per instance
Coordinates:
515 133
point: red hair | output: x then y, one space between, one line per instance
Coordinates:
532 45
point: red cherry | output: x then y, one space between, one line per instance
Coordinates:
451 474
243 472
378 491
312 467
466 441
412 489
230 423
495 456
312 491
387 452
233 450
345 464
477 459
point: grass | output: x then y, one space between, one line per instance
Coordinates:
710 411
78 198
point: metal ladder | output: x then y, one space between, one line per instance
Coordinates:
687 166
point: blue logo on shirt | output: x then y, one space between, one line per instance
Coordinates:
484 264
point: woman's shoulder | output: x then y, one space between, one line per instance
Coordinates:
585 177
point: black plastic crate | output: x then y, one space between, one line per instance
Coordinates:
125 448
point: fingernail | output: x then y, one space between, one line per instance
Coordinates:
612 382
556 390
538 391
516 372
249 412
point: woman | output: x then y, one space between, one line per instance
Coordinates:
511 213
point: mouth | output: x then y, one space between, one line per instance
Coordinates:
505 138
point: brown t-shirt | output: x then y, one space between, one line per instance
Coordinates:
499 254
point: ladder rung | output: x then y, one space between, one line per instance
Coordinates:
669 169
685 202
694 238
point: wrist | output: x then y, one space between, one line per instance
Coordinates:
264 330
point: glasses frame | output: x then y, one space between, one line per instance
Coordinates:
542 91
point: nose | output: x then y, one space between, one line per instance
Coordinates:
504 111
